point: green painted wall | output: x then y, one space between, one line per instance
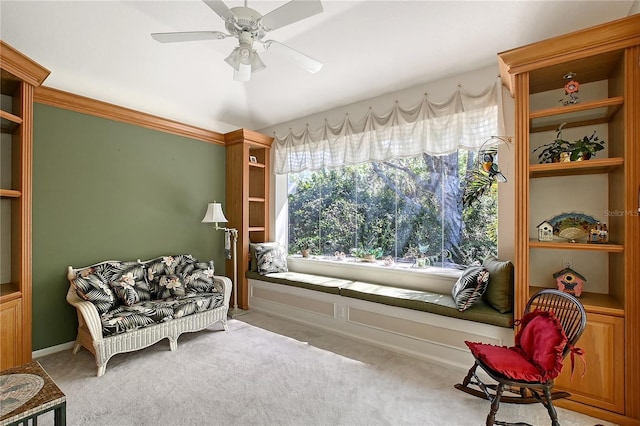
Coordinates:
106 190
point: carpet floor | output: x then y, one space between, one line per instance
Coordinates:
267 371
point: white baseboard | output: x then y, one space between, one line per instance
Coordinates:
52 349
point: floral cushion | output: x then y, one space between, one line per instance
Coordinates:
199 279
271 259
166 265
470 287
125 318
178 275
129 284
92 284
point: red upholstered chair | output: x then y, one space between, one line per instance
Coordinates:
551 325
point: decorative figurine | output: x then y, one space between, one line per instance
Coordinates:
570 281
545 231
492 168
570 89
599 234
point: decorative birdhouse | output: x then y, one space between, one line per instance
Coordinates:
545 231
570 281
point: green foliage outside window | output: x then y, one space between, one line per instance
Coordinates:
405 207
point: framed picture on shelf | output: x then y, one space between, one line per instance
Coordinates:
253 159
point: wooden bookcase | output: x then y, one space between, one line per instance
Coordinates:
606 61
19 76
247 200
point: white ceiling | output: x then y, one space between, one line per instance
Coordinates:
102 49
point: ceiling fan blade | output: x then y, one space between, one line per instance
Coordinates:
291 12
188 36
299 58
220 9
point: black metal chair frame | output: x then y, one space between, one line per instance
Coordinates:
573 318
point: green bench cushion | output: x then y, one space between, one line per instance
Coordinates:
441 304
436 303
296 279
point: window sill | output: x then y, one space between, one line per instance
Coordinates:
431 278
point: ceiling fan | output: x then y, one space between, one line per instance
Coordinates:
249 26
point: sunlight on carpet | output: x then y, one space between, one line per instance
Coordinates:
267 371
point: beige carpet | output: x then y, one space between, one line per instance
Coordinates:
266 371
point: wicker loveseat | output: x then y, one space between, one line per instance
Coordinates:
125 306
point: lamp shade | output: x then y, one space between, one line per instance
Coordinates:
214 214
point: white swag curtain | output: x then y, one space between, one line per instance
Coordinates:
463 121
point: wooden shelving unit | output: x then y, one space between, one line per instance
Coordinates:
593 166
18 78
247 197
608 247
608 56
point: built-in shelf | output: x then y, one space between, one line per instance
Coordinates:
9 291
582 114
256 229
597 303
258 165
610 247
257 199
9 122
594 166
10 193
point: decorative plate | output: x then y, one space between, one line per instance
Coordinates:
573 225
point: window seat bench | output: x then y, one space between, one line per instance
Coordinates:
420 323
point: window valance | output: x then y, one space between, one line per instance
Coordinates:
463 121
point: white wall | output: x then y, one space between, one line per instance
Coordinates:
473 82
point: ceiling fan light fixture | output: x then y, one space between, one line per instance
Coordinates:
235 58
244 61
243 73
249 26
256 62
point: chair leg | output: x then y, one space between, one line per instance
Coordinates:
550 408
470 374
495 404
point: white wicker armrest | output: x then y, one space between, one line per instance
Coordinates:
89 314
226 282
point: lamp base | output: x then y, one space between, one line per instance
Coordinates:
236 312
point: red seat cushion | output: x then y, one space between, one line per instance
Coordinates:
507 361
537 355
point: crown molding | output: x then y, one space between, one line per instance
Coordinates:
61 99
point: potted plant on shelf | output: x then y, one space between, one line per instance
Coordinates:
560 150
552 151
585 148
367 254
305 246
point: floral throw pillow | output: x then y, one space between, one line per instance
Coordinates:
200 279
178 265
271 259
470 287
170 285
91 285
128 283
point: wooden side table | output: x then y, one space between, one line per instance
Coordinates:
17 382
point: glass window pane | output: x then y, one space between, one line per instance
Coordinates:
404 208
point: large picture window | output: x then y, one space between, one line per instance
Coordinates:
405 208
